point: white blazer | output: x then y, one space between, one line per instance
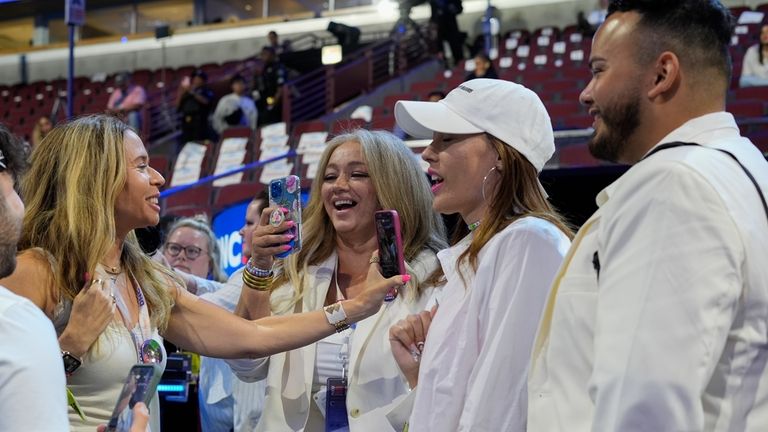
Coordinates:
375 381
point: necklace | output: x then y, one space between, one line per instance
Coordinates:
473 225
114 271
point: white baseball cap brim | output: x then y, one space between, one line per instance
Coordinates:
421 119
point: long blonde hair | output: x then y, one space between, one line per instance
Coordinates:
76 175
400 184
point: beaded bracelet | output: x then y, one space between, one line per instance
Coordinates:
336 317
251 268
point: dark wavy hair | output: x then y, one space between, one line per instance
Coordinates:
15 154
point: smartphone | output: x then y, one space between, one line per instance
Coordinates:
139 386
286 192
390 246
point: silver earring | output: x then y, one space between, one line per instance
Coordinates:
486 179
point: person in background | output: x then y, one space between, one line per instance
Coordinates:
193 102
273 42
81 264
127 100
483 68
359 173
269 86
444 14
435 95
490 140
754 70
191 249
236 108
43 125
657 320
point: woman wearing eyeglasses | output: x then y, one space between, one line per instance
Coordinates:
89 186
191 247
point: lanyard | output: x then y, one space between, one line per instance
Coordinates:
665 146
143 328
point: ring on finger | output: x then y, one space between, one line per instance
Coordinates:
374 259
420 346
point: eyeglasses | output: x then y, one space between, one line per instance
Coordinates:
192 252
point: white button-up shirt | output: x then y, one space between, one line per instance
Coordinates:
474 368
673 334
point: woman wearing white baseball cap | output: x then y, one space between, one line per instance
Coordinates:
491 138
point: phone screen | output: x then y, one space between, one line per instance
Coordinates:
390 243
139 386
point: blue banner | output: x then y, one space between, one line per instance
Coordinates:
226 226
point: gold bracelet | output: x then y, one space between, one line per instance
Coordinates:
256 283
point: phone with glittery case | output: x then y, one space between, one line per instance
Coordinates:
286 192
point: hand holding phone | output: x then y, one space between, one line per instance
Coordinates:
286 193
390 240
139 386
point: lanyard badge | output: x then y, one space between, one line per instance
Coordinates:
336 419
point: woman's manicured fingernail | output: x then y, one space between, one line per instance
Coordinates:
406 278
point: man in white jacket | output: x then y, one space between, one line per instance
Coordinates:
658 318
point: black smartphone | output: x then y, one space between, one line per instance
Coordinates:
139 386
390 240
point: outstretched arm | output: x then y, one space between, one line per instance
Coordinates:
204 328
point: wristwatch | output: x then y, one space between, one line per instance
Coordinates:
71 362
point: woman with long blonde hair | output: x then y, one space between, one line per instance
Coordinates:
359 173
89 186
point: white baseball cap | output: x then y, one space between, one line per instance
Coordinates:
508 111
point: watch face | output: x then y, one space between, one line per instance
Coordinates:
71 363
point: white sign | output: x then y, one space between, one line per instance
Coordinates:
74 12
231 156
188 164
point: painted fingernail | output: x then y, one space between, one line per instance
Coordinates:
286 247
289 236
86 276
406 278
290 224
283 209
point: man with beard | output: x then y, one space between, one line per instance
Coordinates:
658 318
33 385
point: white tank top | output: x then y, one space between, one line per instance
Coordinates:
97 382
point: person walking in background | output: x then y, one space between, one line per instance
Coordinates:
490 140
193 102
754 70
657 320
127 101
444 14
269 85
236 108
